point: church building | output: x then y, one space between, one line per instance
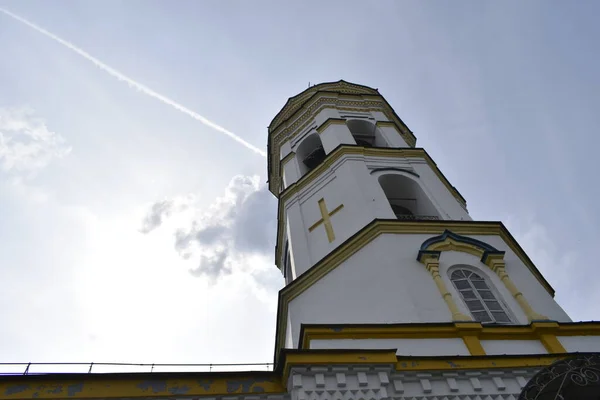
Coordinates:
392 290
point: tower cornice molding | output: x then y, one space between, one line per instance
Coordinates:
296 102
544 331
313 105
378 227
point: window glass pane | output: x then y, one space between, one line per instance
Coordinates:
462 284
475 277
458 274
468 294
474 305
500 316
482 316
486 294
479 284
493 305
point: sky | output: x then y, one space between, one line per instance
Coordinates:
133 229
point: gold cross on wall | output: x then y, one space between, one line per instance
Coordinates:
326 220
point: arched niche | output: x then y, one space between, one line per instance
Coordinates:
366 133
310 153
406 197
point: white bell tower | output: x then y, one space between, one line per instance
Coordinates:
370 231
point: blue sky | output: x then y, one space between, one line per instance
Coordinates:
503 96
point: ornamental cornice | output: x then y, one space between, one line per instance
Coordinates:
296 102
368 383
319 102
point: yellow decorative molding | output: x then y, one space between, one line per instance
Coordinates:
329 357
330 121
296 102
472 333
467 363
306 110
473 345
498 267
552 344
221 384
335 155
433 266
325 219
452 245
147 385
492 257
378 227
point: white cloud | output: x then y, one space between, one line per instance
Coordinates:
235 234
26 143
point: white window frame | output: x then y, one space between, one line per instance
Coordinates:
476 291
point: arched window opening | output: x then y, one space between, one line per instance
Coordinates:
406 198
479 297
310 153
366 133
401 212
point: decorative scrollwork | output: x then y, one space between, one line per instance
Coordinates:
576 377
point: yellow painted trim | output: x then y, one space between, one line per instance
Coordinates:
372 231
94 386
451 245
496 263
472 333
340 88
332 357
552 344
169 385
312 107
330 121
332 157
473 345
487 362
326 220
433 266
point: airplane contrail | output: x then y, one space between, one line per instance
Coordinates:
136 85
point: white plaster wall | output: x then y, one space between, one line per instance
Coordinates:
580 343
540 300
300 255
350 182
383 283
405 347
289 342
496 347
392 136
291 171
335 135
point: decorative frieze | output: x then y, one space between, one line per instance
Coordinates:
348 383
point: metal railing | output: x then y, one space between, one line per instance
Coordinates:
410 217
32 368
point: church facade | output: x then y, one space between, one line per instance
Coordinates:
392 290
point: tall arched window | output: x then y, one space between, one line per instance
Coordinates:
479 298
